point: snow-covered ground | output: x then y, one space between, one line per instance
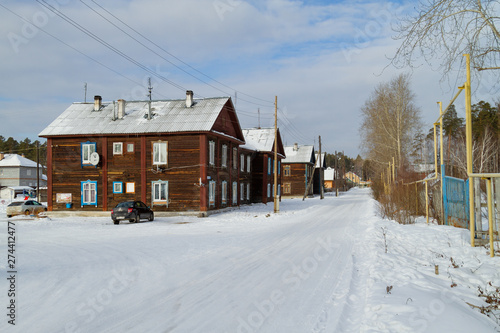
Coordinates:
317 266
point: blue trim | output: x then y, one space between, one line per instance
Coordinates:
94 203
121 188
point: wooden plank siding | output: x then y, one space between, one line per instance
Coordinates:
296 180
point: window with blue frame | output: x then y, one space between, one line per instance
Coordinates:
268 165
87 148
117 187
89 193
211 193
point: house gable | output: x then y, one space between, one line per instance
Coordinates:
227 122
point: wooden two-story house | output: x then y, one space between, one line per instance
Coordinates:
297 169
174 155
258 176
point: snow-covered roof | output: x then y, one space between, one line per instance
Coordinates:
259 139
322 160
299 154
168 116
15 160
329 174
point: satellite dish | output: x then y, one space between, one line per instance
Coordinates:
94 158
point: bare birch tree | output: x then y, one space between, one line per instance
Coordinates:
390 121
447 29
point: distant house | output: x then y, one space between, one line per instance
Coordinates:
353 178
330 177
319 172
258 153
296 169
18 176
174 155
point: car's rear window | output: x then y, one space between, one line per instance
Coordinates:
125 204
17 203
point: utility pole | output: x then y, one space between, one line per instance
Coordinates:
321 194
276 202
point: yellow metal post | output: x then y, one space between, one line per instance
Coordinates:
275 194
442 159
468 134
490 215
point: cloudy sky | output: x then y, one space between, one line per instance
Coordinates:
321 58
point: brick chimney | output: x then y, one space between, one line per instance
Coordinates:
121 108
97 103
189 98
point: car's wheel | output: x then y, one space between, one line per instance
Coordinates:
134 220
9 215
116 221
137 219
26 212
151 216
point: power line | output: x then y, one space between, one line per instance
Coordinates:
107 45
173 56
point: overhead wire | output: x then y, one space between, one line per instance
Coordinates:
173 56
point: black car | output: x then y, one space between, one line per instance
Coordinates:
132 211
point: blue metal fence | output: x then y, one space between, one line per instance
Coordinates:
456 201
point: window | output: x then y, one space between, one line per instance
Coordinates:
268 190
224 156
87 149
211 193
28 172
159 153
235 158
268 165
130 187
286 170
287 188
248 163
248 191
211 152
242 162
117 148
235 193
242 188
279 190
117 187
160 192
130 147
89 193
224 192
279 167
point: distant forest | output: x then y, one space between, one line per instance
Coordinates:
25 147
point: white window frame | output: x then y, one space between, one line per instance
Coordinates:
28 172
211 152
248 191
130 147
129 187
89 193
242 189
235 193
211 193
242 162
87 149
235 158
248 163
224 192
117 148
160 153
156 196
268 165
117 187
268 190
224 156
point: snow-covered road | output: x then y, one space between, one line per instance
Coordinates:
305 269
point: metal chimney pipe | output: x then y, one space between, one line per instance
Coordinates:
97 103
